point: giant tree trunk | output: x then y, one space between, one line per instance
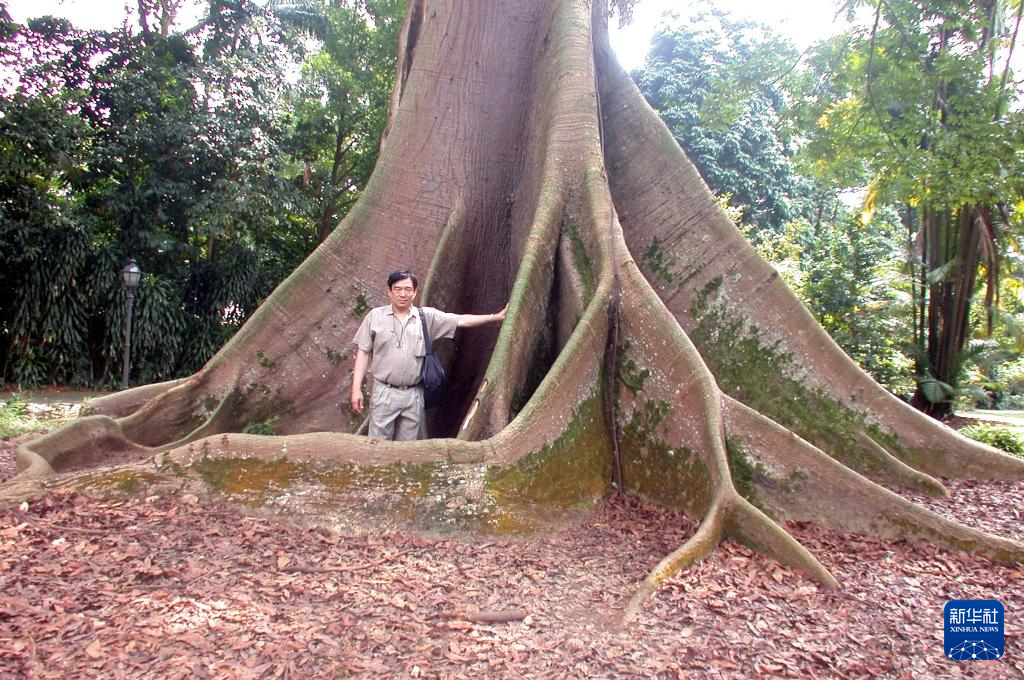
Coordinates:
646 345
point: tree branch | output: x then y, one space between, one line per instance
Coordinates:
1009 57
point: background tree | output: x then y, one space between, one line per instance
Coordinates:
340 103
189 151
717 82
726 88
849 271
919 106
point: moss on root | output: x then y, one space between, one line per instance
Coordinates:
260 404
651 468
745 471
361 307
210 404
629 372
443 497
126 482
581 258
406 479
759 375
659 261
249 480
575 468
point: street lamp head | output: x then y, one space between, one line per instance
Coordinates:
131 274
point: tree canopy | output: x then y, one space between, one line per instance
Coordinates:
210 154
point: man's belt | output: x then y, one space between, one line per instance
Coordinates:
400 387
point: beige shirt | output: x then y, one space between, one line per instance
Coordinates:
396 348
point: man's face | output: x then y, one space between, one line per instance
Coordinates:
401 295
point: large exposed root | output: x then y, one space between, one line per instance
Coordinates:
708 536
128 401
84 442
754 528
794 480
886 466
757 338
681 435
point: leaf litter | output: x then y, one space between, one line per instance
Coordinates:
183 587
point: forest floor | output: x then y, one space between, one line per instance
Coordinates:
173 587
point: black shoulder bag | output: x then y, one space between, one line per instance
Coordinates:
432 372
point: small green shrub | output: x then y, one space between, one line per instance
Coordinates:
266 427
15 419
999 437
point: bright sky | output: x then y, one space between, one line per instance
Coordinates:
802 21
85 13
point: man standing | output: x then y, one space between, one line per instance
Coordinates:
390 342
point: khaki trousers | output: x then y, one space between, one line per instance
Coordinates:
396 413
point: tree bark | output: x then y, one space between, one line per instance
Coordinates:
647 345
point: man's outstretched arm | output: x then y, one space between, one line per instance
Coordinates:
471 320
358 373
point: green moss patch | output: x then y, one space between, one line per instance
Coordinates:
266 427
210 403
744 470
659 261
361 307
403 479
574 469
581 258
260 404
439 497
758 374
127 482
250 480
670 476
629 372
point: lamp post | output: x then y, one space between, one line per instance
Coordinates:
131 274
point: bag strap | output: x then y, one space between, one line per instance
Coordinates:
426 333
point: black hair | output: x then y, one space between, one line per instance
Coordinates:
402 275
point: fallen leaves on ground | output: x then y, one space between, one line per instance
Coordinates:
167 588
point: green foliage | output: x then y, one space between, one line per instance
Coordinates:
998 437
338 108
725 89
13 414
917 107
915 111
266 427
16 419
190 152
716 82
916 104
848 272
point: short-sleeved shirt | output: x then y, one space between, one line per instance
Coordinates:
397 349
